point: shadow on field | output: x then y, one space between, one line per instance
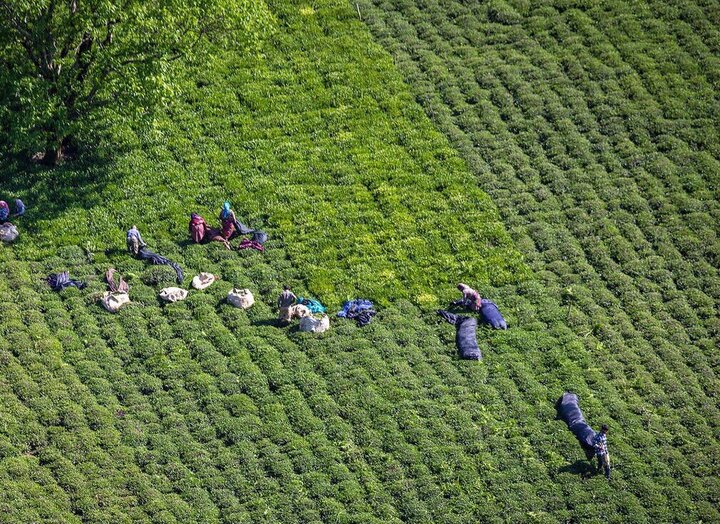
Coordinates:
115 252
266 322
50 192
580 467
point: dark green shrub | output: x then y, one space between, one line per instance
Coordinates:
159 276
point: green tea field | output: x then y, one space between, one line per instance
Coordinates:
561 157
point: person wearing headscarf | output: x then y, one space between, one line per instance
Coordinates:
470 297
197 228
227 218
19 208
4 211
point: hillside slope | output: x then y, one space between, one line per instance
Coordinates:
594 129
198 412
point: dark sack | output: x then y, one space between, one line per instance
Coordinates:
568 410
260 237
490 314
465 334
154 258
242 228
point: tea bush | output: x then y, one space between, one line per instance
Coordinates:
581 124
603 166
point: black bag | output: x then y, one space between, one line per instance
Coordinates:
568 409
242 229
465 334
145 254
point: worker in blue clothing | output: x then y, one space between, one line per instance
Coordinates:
134 241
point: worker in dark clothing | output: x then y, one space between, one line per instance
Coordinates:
4 211
601 450
286 299
19 208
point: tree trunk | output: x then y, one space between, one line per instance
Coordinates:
55 153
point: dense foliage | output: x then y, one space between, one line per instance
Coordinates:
68 66
594 128
199 412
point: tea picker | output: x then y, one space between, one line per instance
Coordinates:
134 241
489 312
138 248
286 299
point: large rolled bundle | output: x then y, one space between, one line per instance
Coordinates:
465 334
297 311
568 409
490 314
8 232
203 280
315 325
242 298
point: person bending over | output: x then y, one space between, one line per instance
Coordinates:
471 298
134 241
19 208
286 299
197 228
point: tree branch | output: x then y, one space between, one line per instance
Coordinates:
26 37
43 25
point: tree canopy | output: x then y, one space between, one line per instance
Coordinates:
65 63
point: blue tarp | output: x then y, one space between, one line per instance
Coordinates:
313 305
59 281
361 310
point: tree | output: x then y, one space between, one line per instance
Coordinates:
65 63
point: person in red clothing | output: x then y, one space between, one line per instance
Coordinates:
4 211
197 228
471 298
200 231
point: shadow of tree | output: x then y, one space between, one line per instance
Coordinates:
49 192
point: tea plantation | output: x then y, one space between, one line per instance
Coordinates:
365 139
